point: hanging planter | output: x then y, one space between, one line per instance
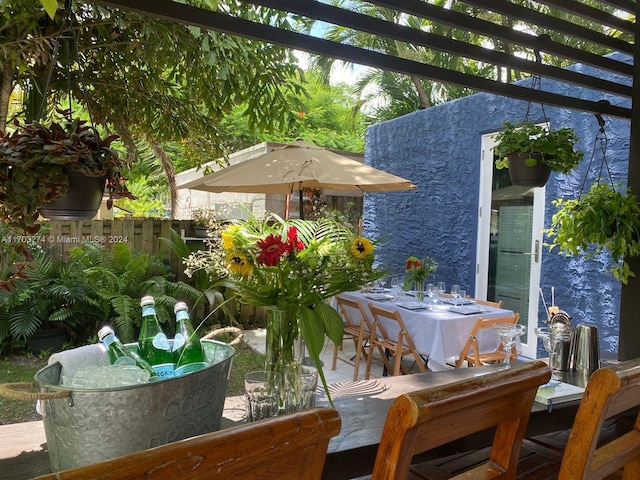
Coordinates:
528 170
81 202
532 151
607 217
39 163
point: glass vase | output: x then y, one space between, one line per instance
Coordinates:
419 289
284 348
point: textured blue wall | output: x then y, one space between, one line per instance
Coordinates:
439 150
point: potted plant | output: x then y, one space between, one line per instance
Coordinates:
40 164
606 217
203 218
531 151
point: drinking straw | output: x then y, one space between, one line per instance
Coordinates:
544 303
553 296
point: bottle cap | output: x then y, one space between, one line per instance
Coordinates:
103 332
147 300
179 306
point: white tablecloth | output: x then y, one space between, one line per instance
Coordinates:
438 333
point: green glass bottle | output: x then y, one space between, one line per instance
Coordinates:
152 342
187 349
120 354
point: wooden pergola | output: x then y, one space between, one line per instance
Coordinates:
622 30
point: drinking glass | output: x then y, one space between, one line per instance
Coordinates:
508 333
463 296
455 293
397 286
300 389
262 394
552 340
441 288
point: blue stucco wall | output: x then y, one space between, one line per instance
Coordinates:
439 149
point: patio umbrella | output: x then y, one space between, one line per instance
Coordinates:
297 166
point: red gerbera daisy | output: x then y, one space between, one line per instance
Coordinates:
271 249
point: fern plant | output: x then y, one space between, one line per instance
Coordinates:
121 277
53 292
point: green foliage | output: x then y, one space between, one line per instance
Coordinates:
90 287
36 160
604 218
555 147
53 292
323 115
202 281
119 278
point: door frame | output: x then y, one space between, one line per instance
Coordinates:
529 347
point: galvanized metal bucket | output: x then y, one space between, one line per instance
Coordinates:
89 426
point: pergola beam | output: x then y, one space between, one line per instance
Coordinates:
211 20
393 31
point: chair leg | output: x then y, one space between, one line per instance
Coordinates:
359 352
334 362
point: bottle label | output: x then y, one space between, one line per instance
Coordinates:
178 341
161 342
191 367
182 315
124 360
108 340
164 370
148 310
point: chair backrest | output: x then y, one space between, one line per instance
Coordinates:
347 307
471 350
289 447
421 421
488 303
610 391
403 338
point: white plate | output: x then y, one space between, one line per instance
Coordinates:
460 301
466 309
378 296
412 305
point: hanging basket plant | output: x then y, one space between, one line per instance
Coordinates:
36 162
532 151
605 217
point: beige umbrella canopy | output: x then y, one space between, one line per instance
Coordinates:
297 166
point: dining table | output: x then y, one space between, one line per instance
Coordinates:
439 328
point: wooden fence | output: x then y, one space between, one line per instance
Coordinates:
138 234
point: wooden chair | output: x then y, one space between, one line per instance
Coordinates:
399 347
424 420
359 331
610 392
487 303
470 352
287 447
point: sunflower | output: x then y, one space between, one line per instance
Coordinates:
227 237
361 247
239 263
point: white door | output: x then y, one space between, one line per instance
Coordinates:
509 253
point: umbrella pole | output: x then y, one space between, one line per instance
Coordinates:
287 207
301 205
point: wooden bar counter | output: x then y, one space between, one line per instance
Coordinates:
362 405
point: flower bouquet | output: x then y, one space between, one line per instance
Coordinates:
293 267
417 271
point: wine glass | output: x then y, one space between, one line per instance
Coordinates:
430 291
397 285
552 339
441 287
455 293
508 333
